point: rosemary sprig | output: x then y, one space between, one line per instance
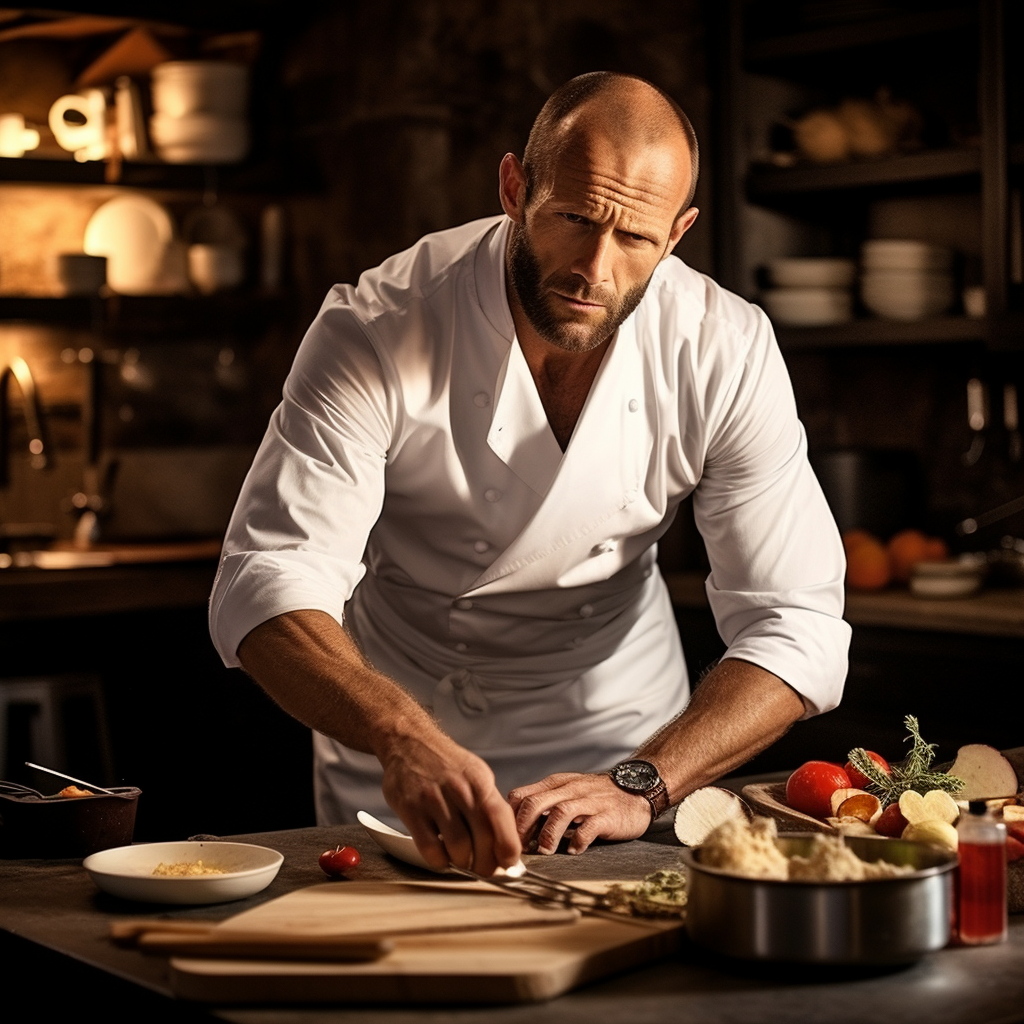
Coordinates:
913 772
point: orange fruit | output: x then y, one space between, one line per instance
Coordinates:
851 538
906 549
867 564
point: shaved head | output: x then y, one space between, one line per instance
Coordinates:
623 108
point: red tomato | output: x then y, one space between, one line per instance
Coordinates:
809 789
859 781
340 861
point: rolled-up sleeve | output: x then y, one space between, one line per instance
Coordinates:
299 529
777 562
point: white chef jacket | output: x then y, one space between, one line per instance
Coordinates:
409 485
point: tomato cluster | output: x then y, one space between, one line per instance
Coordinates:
809 789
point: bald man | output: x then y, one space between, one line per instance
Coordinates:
444 557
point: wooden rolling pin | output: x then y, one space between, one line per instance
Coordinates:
207 939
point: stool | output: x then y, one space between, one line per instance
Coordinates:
59 722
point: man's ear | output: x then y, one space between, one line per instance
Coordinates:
682 224
512 187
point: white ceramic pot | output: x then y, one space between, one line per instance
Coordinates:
200 87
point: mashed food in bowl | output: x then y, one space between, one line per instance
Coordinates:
748 849
185 869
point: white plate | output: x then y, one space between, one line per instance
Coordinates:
134 233
127 871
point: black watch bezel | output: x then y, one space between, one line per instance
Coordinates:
635 776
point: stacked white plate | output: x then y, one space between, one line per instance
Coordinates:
199 112
904 279
809 291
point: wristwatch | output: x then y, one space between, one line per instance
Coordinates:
642 778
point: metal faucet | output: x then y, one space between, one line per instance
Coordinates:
31 410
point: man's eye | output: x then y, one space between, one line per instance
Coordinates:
575 218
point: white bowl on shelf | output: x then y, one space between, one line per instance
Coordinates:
811 272
904 254
199 138
808 307
907 295
181 87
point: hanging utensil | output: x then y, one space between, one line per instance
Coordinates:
71 778
977 419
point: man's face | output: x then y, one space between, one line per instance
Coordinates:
544 300
590 239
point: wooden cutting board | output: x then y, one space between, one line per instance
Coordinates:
509 960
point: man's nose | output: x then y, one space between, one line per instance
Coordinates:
593 261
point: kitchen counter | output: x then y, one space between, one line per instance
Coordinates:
51 593
54 923
35 594
991 612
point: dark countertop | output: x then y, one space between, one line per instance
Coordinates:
990 612
53 919
53 593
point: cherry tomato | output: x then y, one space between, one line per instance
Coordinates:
809 789
859 781
340 861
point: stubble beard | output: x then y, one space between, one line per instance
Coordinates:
568 335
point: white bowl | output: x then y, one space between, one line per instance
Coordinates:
907 295
808 307
199 138
402 847
811 272
200 86
905 254
950 577
127 871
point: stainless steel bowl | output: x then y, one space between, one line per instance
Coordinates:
878 922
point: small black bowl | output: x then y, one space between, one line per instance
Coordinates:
59 826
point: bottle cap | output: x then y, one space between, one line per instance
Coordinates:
977 806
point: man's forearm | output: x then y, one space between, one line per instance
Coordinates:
444 793
313 669
736 711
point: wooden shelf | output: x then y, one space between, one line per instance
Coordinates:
224 313
764 182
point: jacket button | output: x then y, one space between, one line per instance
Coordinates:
460 646
480 546
633 405
464 604
586 611
482 400
492 494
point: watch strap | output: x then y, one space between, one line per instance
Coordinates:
658 799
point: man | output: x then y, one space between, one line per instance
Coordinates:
477 451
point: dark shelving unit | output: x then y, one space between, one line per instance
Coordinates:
841 57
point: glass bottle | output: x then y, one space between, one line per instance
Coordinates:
982 913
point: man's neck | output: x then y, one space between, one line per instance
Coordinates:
563 379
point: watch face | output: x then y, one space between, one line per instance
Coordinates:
636 776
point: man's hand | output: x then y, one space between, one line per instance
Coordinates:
447 798
314 670
593 803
